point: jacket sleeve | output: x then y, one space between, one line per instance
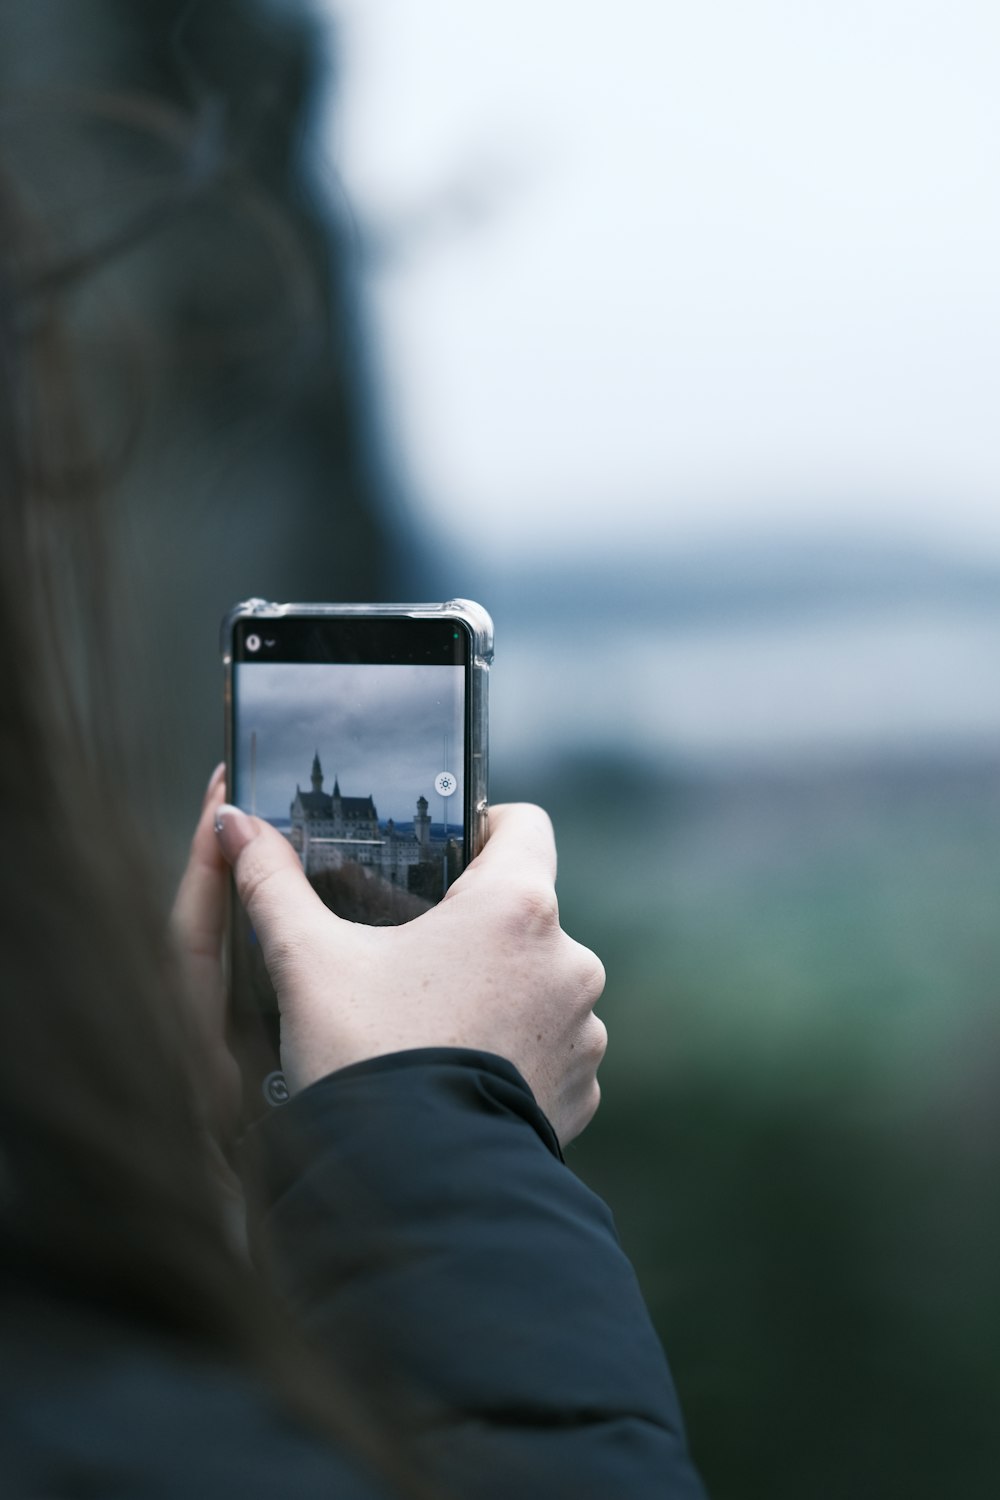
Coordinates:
423 1226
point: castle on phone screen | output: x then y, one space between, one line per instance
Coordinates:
328 828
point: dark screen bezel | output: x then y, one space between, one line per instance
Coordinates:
360 640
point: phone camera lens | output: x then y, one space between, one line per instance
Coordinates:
253 642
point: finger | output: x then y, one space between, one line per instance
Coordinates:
197 923
521 844
270 881
215 781
579 1115
200 908
591 971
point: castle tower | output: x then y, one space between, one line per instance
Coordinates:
422 826
317 774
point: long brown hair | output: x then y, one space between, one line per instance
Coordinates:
109 1186
107 1189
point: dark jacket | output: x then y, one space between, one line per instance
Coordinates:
423 1226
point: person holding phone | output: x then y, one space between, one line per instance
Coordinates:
439 1307
420 1299
414 1191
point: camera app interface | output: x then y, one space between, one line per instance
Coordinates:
349 737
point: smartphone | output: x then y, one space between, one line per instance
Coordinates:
359 731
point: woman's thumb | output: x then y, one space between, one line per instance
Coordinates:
270 881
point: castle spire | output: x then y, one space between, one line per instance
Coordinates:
422 826
317 774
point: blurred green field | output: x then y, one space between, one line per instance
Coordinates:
800 1133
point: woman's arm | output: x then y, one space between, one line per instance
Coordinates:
421 1223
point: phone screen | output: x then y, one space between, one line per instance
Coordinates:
349 735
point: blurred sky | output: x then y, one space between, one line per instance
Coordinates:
662 272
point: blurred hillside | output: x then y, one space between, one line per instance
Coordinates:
800 1133
774 772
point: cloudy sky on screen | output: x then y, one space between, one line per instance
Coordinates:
380 729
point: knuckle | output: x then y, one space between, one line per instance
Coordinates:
530 816
543 822
594 977
283 957
597 1039
587 1109
260 888
586 971
253 879
536 908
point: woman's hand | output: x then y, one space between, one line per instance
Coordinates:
488 968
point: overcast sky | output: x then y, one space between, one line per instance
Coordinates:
652 271
380 729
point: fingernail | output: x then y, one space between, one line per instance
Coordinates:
233 829
213 779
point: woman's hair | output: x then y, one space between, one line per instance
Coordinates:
110 1183
106 1184
110 1186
